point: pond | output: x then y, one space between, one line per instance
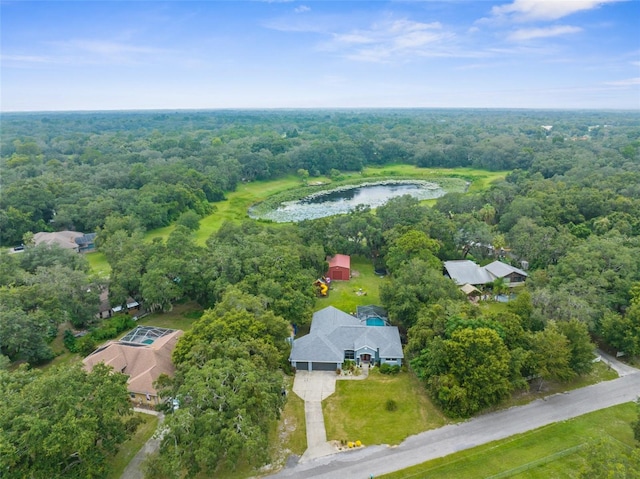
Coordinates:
345 199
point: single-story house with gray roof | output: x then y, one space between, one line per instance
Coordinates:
336 336
467 272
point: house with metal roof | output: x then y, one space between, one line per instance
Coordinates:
336 336
467 272
339 268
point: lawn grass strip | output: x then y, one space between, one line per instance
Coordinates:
539 462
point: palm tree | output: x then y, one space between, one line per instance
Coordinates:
499 286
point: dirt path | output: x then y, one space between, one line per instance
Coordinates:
133 470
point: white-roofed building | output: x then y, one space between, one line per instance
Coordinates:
467 272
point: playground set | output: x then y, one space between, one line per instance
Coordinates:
322 286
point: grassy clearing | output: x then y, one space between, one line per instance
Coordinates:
480 179
63 359
290 435
347 295
130 448
551 451
357 410
182 316
491 308
235 207
98 263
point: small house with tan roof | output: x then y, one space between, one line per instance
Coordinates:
143 354
79 242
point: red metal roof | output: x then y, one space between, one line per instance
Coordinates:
341 260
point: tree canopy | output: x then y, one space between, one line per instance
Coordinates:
62 423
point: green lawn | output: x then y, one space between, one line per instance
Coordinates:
130 448
234 208
98 263
182 316
554 451
357 410
362 289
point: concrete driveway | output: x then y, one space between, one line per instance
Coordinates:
378 460
313 387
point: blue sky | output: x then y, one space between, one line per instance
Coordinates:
110 55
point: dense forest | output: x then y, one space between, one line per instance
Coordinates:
569 208
75 170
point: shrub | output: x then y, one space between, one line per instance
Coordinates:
86 345
69 341
391 405
348 365
388 369
110 328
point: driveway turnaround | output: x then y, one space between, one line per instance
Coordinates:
377 460
313 387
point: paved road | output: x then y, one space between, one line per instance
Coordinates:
621 368
429 445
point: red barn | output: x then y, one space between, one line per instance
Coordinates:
340 267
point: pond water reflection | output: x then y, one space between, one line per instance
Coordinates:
345 199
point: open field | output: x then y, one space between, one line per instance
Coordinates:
357 410
182 316
98 263
360 290
130 448
235 207
556 450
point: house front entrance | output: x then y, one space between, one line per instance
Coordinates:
365 358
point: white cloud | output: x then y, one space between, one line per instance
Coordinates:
107 48
390 40
103 51
302 9
625 82
354 38
534 10
525 34
25 59
89 52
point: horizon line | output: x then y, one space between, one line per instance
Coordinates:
333 108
